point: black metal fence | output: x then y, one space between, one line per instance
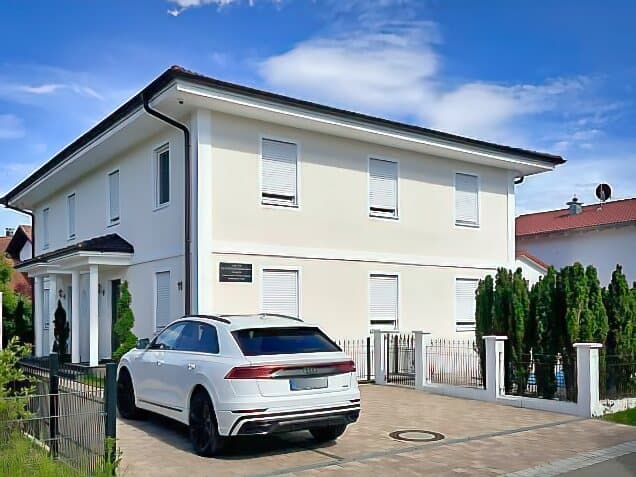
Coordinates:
71 413
617 377
361 352
543 376
454 362
399 355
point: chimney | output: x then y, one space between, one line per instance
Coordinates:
575 207
8 231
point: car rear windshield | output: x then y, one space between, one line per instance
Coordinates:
263 341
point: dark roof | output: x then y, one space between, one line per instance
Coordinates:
595 215
112 243
19 238
180 73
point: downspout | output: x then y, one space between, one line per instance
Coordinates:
188 198
519 180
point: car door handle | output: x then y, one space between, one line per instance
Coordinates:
191 366
160 362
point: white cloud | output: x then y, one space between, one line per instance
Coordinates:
39 89
181 5
11 127
395 70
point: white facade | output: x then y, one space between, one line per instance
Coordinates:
314 206
603 247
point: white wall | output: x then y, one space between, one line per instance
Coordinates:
332 240
603 248
25 251
156 234
531 271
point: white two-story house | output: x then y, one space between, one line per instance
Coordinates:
210 197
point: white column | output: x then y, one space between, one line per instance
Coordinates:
587 377
75 316
50 313
422 342
378 358
495 372
38 284
93 294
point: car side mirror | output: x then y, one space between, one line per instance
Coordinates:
143 343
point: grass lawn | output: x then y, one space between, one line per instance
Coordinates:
624 417
19 457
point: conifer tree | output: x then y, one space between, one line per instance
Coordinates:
125 323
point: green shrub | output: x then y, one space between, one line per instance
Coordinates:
124 324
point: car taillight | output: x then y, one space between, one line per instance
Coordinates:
269 371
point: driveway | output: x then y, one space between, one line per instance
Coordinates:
479 438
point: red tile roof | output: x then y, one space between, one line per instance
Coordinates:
524 253
616 212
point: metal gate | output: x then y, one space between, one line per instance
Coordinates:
399 355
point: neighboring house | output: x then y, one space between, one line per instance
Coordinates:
533 267
16 245
271 205
600 235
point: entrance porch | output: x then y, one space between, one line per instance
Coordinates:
81 284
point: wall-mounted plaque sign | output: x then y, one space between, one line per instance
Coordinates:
235 272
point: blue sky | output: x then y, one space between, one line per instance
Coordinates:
552 76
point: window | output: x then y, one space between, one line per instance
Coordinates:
168 338
280 292
279 173
199 338
113 194
383 188
466 200
45 228
162 299
70 208
162 176
262 341
465 303
383 302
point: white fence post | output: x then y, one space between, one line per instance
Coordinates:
422 342
0 320
495 372
378 361
587 378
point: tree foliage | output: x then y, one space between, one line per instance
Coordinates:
125 323
16 307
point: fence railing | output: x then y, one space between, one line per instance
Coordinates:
543 376
361 352
454 362
71 413
617 377
399 353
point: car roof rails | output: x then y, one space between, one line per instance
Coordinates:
209 317
280 315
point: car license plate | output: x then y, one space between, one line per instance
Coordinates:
300 384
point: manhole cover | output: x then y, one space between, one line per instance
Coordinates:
416 435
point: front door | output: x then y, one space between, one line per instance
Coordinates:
115 290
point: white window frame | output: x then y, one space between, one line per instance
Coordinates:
157 180
46 226
398 301
462 328
279 268
72 232
111 220
466 225
273 203
383 215
157 271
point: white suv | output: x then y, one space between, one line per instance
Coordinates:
240 375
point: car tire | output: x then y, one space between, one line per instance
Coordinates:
126 397
329 433
204 430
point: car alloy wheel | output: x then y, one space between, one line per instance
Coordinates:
126 397
203 428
